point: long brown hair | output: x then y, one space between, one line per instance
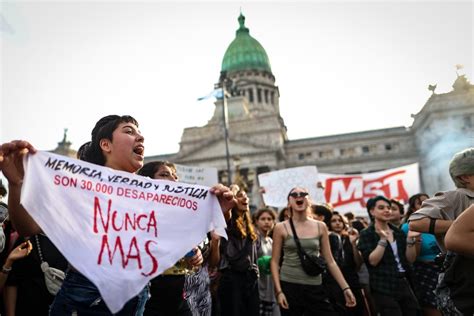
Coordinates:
243 222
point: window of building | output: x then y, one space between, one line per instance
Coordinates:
250 95
353 172
272 97
262 169
365 149
266 96
259 95
302 156
388 147
222 176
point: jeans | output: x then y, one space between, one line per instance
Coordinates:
79 296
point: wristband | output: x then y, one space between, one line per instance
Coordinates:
6 270
411 242
346 288
278 293
382 242
431 230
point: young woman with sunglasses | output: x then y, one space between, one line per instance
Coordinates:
116 143
294 289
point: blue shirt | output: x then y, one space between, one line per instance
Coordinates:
429 247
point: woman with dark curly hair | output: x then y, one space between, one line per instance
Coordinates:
117 143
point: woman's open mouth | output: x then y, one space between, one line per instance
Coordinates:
139 150
299 202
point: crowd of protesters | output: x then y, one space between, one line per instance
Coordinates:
413 259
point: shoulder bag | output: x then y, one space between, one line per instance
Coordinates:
312 265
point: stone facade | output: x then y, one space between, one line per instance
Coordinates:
258 140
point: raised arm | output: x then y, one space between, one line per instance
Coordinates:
226 199
354 238
11 165
376 254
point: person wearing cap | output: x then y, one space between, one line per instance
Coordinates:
437 213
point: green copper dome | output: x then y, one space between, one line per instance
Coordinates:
245 52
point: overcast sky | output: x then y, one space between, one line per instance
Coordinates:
340 66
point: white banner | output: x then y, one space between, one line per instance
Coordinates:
197 175
349 193
118 229
277 184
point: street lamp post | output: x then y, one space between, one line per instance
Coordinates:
224 82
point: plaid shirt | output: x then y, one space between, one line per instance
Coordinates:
384 278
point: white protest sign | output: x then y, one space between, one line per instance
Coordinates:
351 192
277 184
197 175
118 229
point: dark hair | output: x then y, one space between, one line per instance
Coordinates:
400 206
281 214
372 201
243 222
350 216
322 210
343 218
263 210
359 225
412 202
150 168
104 128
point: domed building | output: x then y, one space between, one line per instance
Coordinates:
258 141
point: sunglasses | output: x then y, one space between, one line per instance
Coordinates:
298 194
